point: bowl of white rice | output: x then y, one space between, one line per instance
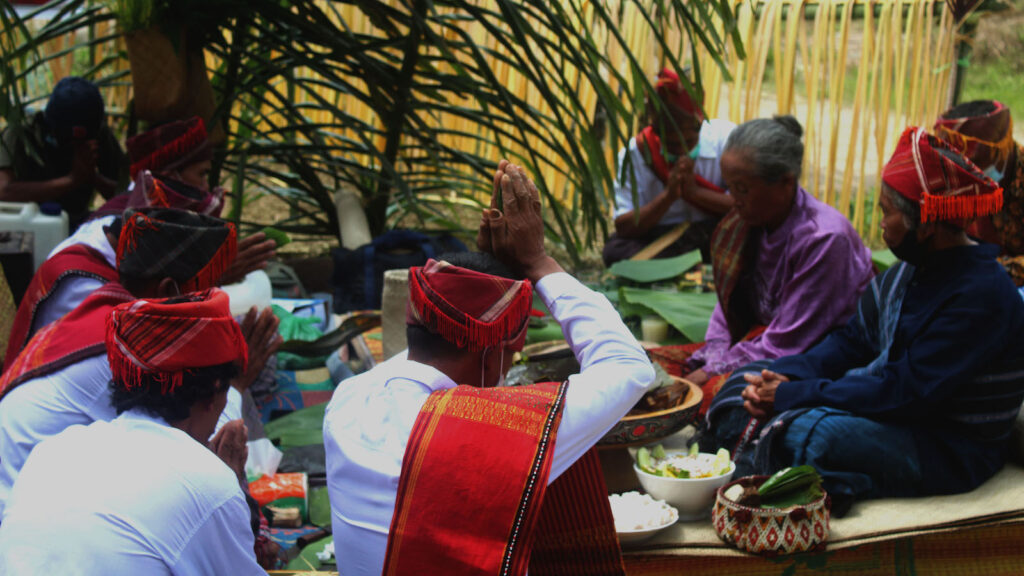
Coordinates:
638 516
692 496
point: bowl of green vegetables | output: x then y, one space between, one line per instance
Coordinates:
685 479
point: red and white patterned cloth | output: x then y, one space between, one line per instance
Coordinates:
467 308
949 187
164 338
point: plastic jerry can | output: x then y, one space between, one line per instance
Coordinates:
49 225
253 290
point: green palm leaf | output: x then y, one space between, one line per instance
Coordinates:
411 107
647 271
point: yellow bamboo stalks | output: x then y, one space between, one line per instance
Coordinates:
757 56
902 77
865 78
847 183
837 89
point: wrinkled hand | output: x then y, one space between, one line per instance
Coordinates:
260 332
517 230
253 254
681 179
230 445
759 395
85 154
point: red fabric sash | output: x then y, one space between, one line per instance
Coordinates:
729 254
77 336
649 144
76 260
482 518
576 532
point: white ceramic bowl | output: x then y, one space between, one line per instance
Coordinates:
628 537
693 497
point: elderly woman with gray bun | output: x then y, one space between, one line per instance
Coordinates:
788 268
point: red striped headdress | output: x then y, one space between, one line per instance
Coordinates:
970 134
169 146
948 187
164 338
163 192
469 309
671 90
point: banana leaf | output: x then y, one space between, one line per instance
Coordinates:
883 259
300 428
647 271
688 312
307 560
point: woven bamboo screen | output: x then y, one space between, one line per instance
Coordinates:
854 72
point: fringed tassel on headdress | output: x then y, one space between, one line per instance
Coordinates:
213 272
128 238
157 196
960 206
193 137
468 332
967 145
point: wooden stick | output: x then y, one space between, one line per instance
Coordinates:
666 239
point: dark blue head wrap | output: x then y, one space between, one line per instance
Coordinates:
75 102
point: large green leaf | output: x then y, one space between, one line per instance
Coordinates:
883 259
300 428
647 271
688 312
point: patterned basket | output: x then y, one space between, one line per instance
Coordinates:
770 531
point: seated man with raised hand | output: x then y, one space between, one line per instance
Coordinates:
424 472
180 156
60 378
917 394
142 494
64 154
675 174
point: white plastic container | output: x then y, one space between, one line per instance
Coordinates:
352 223
254 290
26 216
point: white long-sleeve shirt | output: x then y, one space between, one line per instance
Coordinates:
45 406
370 417
713 135
71 290
131 496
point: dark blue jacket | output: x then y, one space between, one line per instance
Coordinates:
955 368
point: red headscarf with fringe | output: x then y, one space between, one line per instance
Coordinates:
670 89
164 338
469 309
192 249
163 192
168 147
970 134
948 187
